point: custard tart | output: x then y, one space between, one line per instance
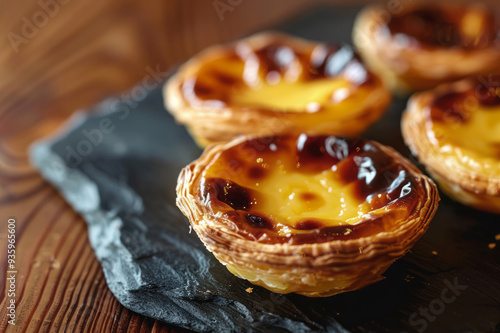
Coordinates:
311 214
426 44
455 132
272 83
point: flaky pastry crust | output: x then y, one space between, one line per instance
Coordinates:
312 261
453 130
272 83
428 43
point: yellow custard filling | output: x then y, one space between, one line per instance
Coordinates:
473 137
295 96
293 185
289 197
276 77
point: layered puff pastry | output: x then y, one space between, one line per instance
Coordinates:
311 214
455 132
272 83
426 44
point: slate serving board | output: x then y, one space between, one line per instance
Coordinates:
117 164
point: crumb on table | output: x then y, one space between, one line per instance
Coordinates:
249 290
492 245
497 237
408 278
434 253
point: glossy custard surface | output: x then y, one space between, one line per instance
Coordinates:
451 26
304 189
465 124
279 76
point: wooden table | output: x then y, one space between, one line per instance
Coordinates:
55 59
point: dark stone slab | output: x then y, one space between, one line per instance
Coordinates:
117 164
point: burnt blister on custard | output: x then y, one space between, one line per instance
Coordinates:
366 172
445 26
212 82
450 106
225 191
457 106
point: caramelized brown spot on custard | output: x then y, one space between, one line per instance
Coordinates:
323 61
308 225
314 61
318 153
229 193
256 172
450 106
224 78
444 26
347 171
328 60
257 221
308 196
462 121
457 105
275 57
380 182
366 173
202 90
